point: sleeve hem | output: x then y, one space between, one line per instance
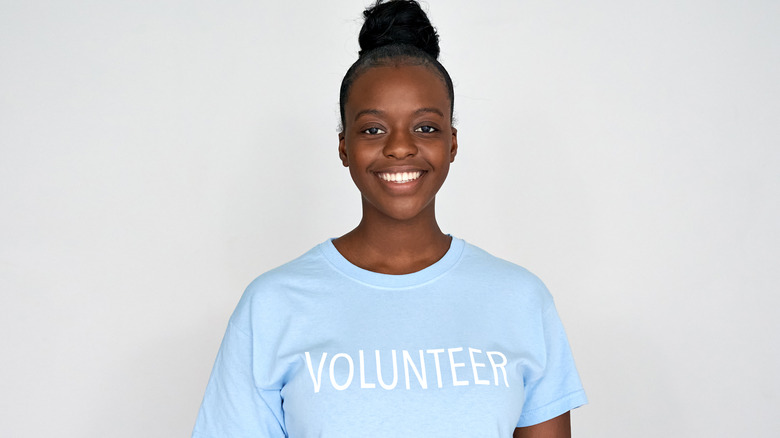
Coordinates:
553 409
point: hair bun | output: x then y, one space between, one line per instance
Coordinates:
398 22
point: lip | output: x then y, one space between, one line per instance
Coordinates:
397 169
396 185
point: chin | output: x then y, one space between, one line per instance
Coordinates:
402 217
404 212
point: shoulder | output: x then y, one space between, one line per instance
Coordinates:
304 269
272 289
503 275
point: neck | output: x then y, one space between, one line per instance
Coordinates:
392 246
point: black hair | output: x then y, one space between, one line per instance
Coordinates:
396 32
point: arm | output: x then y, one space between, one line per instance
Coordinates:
558 427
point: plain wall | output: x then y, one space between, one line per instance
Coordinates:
159 155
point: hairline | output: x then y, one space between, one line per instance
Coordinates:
367 62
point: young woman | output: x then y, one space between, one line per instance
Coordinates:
394 329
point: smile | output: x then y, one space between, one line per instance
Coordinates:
400 177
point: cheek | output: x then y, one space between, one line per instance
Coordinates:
357 171
360 157
354 174
440 156
443 172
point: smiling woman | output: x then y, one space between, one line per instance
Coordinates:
395 328
398 143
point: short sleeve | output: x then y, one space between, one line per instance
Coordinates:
233 405
555 388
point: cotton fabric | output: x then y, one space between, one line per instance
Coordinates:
471 346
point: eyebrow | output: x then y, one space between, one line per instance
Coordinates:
377 112
429 110
374 112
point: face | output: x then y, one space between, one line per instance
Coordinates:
398 140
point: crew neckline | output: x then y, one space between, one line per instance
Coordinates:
444 264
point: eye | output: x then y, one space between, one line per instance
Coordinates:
373 131
426 129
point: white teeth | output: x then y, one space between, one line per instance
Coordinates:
400 177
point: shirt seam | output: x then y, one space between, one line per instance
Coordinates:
557 400
333 266
231 323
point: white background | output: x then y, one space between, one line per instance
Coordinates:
158 155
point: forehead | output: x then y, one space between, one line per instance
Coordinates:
397 88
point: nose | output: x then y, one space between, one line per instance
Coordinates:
400 145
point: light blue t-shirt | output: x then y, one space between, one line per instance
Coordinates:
470 346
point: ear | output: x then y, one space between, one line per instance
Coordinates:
454 148
343 150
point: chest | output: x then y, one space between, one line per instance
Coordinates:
400 369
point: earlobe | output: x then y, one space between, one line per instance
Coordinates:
343 150
454 148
